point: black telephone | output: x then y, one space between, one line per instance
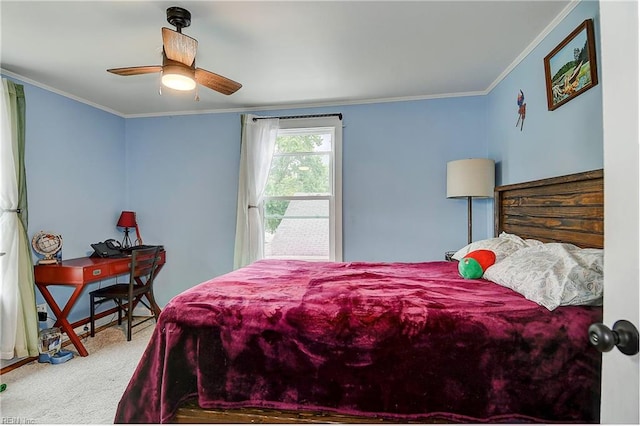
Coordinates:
110 248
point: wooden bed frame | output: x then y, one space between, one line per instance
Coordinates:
566 209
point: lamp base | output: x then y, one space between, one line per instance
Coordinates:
126 241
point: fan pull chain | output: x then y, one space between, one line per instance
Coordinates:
197 97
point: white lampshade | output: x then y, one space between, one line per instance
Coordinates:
472 177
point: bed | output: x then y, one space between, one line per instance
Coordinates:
296 342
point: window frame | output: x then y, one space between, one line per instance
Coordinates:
333 124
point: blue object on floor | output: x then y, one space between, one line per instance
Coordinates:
57 358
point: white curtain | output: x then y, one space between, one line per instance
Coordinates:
257 144
18 317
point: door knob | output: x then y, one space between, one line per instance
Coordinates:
624 335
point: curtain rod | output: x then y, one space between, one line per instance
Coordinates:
339 115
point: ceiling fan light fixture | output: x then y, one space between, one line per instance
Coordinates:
178 78
178 70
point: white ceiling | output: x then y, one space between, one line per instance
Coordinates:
286 54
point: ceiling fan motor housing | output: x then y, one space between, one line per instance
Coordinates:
178 17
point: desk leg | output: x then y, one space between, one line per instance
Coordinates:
156 308
61 315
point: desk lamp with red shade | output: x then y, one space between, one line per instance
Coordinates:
127 220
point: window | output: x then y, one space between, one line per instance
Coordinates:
303 197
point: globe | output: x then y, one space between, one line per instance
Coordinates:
48 245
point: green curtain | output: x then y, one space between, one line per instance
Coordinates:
27 323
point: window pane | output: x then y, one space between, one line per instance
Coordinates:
297 229
311 141
298 175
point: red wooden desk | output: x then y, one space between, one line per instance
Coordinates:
79 273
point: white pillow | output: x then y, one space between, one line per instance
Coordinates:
502 246
553 274
531 242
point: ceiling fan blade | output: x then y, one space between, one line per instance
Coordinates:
148 69
216 82
179 47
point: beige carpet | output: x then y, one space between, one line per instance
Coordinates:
83 390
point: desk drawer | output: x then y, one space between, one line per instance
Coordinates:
70 275
96 272
121 268
124 265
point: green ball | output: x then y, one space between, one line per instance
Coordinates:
470 268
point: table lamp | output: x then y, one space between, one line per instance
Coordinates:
127 220
470 178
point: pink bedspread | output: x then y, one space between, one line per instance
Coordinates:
409 341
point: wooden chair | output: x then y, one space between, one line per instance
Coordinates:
144 263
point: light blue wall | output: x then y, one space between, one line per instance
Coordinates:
75 170
183 172
75 167
552 143
394 177
182 183
180 173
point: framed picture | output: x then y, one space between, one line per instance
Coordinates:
570 69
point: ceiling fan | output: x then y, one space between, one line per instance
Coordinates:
178 60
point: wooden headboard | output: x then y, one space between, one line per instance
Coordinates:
567 209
